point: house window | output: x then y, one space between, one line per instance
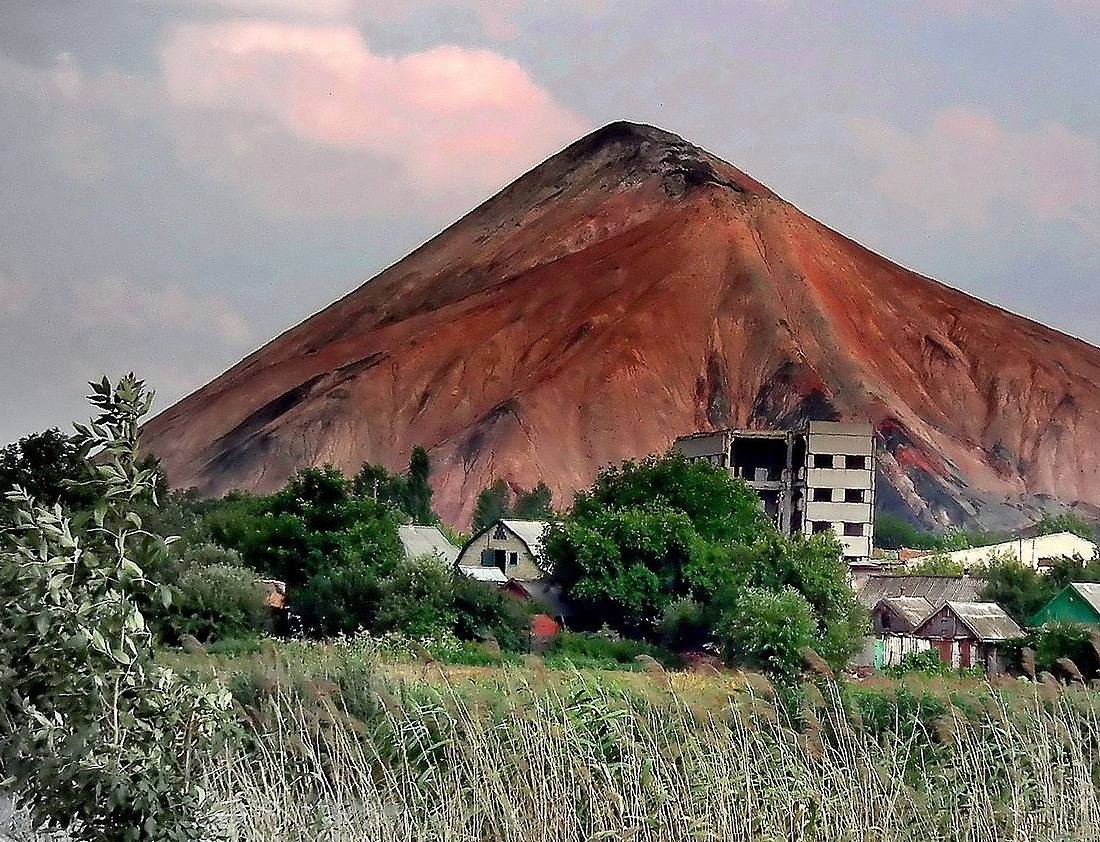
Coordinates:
853 495
855 463
820 526
499 557
823 495
853 530
513 559
488 558
886 621
823 460
499 534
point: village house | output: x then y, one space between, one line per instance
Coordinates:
898 605
419 541
1078 602
513 547
969 634
508 553
1038 552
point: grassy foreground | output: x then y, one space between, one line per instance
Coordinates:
339 743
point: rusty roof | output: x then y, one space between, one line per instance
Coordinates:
936 589
987 621
912 609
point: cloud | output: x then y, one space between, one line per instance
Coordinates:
448 121
114 302
64 331
966 166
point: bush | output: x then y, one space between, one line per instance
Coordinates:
220 601
481 609
685 624
927 663
603 651
94 734
418 599
769 630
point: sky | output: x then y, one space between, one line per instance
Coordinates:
181 180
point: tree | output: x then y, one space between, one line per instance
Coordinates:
492 505
721 507
94 734
1067 521
50 467
936 564
535 504
418 489
670 550
1019 589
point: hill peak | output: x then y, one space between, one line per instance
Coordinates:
641 151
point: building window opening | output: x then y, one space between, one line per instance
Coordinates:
823 495
823 460
820 526
854 495
886 621
513 559
853 530
499 558
855 463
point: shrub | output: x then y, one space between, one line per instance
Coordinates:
586 650
769 630
220 601
95 735
418 599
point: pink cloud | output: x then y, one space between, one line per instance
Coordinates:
451 120
965 165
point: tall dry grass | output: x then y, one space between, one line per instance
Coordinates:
528 759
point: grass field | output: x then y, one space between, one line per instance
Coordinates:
345 745
343 742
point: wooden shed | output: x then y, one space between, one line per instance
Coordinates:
968 634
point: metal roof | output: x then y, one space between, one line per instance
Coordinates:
987 620
936 589
420 541
531 533
484 574
912 609
1089 592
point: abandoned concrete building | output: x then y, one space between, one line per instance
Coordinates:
818 477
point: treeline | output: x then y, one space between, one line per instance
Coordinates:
668 553
333 540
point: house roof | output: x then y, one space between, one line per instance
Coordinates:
912 609
420 541
1090 592
530 532
484 574
986 620
936 589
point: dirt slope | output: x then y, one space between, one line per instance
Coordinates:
630 289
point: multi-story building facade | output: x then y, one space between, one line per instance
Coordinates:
816 478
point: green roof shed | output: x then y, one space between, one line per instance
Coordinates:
1078 602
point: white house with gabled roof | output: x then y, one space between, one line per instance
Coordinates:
512 547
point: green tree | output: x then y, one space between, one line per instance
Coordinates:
94 734
1019 589
721 507
536 504
50 467
418 489
493 503
1067 521
936 564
